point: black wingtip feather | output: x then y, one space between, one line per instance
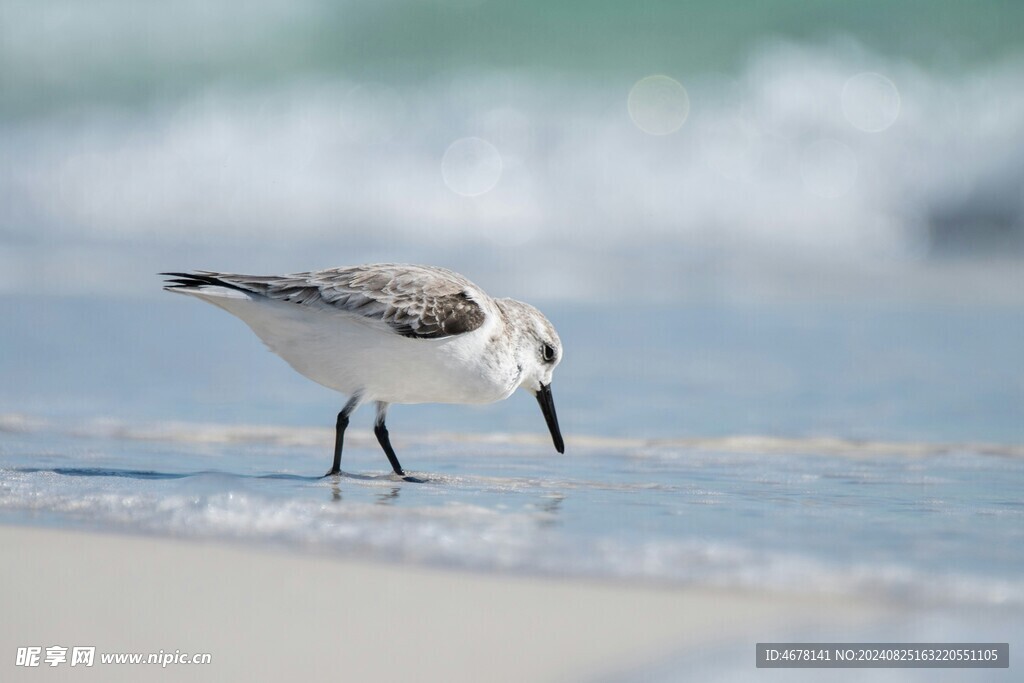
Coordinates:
189 280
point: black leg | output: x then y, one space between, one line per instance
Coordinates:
339 432
382 438
339 440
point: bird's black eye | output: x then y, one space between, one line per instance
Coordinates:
547 353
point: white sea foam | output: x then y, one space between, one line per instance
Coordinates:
562 166
281 435
819 515
464 535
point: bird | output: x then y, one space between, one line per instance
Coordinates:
392 333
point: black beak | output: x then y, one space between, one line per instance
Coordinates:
547 405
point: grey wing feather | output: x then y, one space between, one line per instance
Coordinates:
414 301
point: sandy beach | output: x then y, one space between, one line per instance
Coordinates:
265 615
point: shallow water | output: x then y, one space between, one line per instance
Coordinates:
889 463
940 529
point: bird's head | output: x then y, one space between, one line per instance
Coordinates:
538 352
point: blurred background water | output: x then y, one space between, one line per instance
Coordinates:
586 151
796 219
910 374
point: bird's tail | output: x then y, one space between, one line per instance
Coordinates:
204 283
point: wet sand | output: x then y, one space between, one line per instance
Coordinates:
271 615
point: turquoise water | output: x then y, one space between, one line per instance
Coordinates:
148 139
175 48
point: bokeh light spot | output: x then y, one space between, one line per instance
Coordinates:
658 105
871 102
471 167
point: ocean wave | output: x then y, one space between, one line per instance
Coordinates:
281 435
468 536
779 167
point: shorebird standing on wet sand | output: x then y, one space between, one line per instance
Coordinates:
392 333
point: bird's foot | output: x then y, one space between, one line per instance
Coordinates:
331 473
413 480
